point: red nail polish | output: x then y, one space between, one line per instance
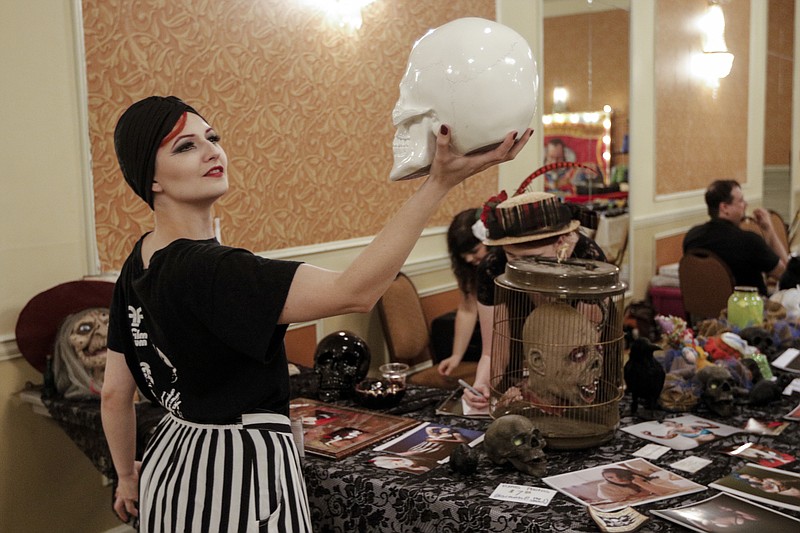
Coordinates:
443 130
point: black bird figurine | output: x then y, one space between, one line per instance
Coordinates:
644 375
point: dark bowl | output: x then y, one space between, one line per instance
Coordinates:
378 394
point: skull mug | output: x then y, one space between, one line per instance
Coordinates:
341 360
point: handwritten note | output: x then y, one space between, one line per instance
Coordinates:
523 494
651 451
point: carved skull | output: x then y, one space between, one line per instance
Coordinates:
454 76
564 356
341 360
718 386
514 439
759 338
79 358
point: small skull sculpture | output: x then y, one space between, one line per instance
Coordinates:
514 439
718 386
341 360
759 338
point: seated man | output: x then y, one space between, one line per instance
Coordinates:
748 255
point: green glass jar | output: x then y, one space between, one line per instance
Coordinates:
745 307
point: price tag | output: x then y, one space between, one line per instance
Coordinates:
523 494
651 451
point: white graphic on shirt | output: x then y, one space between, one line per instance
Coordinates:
167 362
148 376
136 316
172 402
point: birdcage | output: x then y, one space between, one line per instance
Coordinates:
557 348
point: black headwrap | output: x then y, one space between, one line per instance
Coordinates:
138 134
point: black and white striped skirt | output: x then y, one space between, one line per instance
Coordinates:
239 478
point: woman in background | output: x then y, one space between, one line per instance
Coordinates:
199 328
466 252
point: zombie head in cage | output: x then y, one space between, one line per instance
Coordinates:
564 355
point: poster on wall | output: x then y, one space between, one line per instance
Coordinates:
579 138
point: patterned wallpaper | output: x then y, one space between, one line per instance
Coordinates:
780 62
700 136
303 108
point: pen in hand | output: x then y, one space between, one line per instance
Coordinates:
469 387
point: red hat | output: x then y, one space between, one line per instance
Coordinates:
39 320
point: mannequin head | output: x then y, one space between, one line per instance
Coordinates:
475 75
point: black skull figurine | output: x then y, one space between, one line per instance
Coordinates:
513 439
341 360
759 338
718 387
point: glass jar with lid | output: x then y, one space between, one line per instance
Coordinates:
745 307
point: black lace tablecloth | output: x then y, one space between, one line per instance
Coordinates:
351 495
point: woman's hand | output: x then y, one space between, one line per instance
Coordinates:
126 497
452 168
475 401
446 366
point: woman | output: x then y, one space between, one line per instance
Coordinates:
199 328
466 252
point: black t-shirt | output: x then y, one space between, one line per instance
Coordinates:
494 264
199 329
746 253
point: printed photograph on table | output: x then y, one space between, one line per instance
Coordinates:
789 360
727 513
617 485
682 432
763 484
336 432
758 453
434 442
623 521
765 427
794 414
411 465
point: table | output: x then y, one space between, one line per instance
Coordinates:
352 495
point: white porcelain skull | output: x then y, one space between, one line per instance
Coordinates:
474 75
514 439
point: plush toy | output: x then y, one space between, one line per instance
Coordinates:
711 327
790 300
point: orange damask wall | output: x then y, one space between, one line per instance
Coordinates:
700 136
303 108
780 61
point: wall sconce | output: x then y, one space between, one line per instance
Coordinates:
345 13
715 62
560 96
